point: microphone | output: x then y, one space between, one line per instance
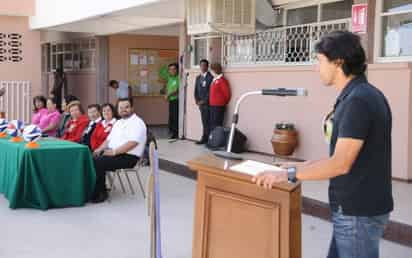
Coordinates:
283 92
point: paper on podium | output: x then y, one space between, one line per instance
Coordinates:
253 168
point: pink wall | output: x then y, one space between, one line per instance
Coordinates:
17 7
119 46
30 68
258 114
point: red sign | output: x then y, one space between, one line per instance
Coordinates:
359 18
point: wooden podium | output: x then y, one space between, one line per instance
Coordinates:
235 218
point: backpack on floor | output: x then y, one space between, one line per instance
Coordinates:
219 137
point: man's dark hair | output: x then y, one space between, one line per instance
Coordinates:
70 98
346 47
124 99
113 82
204 61
175 65
96 106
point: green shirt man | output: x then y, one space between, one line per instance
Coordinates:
172 87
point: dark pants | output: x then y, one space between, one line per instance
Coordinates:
217 115
108 163
204 112
356 237
174 118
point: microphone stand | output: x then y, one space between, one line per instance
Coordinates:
228 154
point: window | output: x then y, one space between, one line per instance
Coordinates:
395 26
337 10
302 15
206 47
74 56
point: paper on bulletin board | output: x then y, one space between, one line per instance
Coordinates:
143 60
134 59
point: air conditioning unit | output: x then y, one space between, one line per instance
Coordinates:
229 16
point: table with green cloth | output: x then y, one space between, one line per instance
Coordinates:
57 174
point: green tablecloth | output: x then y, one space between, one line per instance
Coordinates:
57 174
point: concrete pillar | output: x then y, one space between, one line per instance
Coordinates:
102 69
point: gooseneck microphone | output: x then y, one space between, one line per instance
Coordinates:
282 92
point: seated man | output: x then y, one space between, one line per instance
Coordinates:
122 148
78 122
95 117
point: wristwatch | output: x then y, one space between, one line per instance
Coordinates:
292 174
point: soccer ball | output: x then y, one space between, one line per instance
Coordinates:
15 128
31 133
3 124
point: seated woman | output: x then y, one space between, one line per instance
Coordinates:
49 123
77 124
39 110
65 117
103 128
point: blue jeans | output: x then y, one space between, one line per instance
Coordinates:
356 237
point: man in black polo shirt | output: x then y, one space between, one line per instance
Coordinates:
359 166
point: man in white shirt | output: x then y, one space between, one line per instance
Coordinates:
122 148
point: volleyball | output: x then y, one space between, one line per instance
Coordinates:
31 133
3 124
15 128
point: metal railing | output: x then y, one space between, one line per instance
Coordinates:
16 102
286 45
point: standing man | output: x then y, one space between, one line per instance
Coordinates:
359 166
172 94
59 87
123 90
202 88
122 149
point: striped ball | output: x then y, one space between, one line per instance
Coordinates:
15 128
3 124
31 133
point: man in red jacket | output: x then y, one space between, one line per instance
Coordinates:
77 124
219 96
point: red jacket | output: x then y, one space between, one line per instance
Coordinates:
219 92
74 129
99 135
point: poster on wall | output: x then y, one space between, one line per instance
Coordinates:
359 18
147 70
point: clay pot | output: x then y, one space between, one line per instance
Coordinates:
284 139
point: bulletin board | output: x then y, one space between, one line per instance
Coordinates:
146 68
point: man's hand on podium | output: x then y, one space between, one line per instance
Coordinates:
268 178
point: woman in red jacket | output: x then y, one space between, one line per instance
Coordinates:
219 96
77 124
103 128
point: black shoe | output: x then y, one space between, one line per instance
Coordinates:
173 137
100 197
200 142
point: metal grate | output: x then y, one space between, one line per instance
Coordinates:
11 47
16 102
293 44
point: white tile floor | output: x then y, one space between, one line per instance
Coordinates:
317 190
119 229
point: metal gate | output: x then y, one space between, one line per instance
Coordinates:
16 101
